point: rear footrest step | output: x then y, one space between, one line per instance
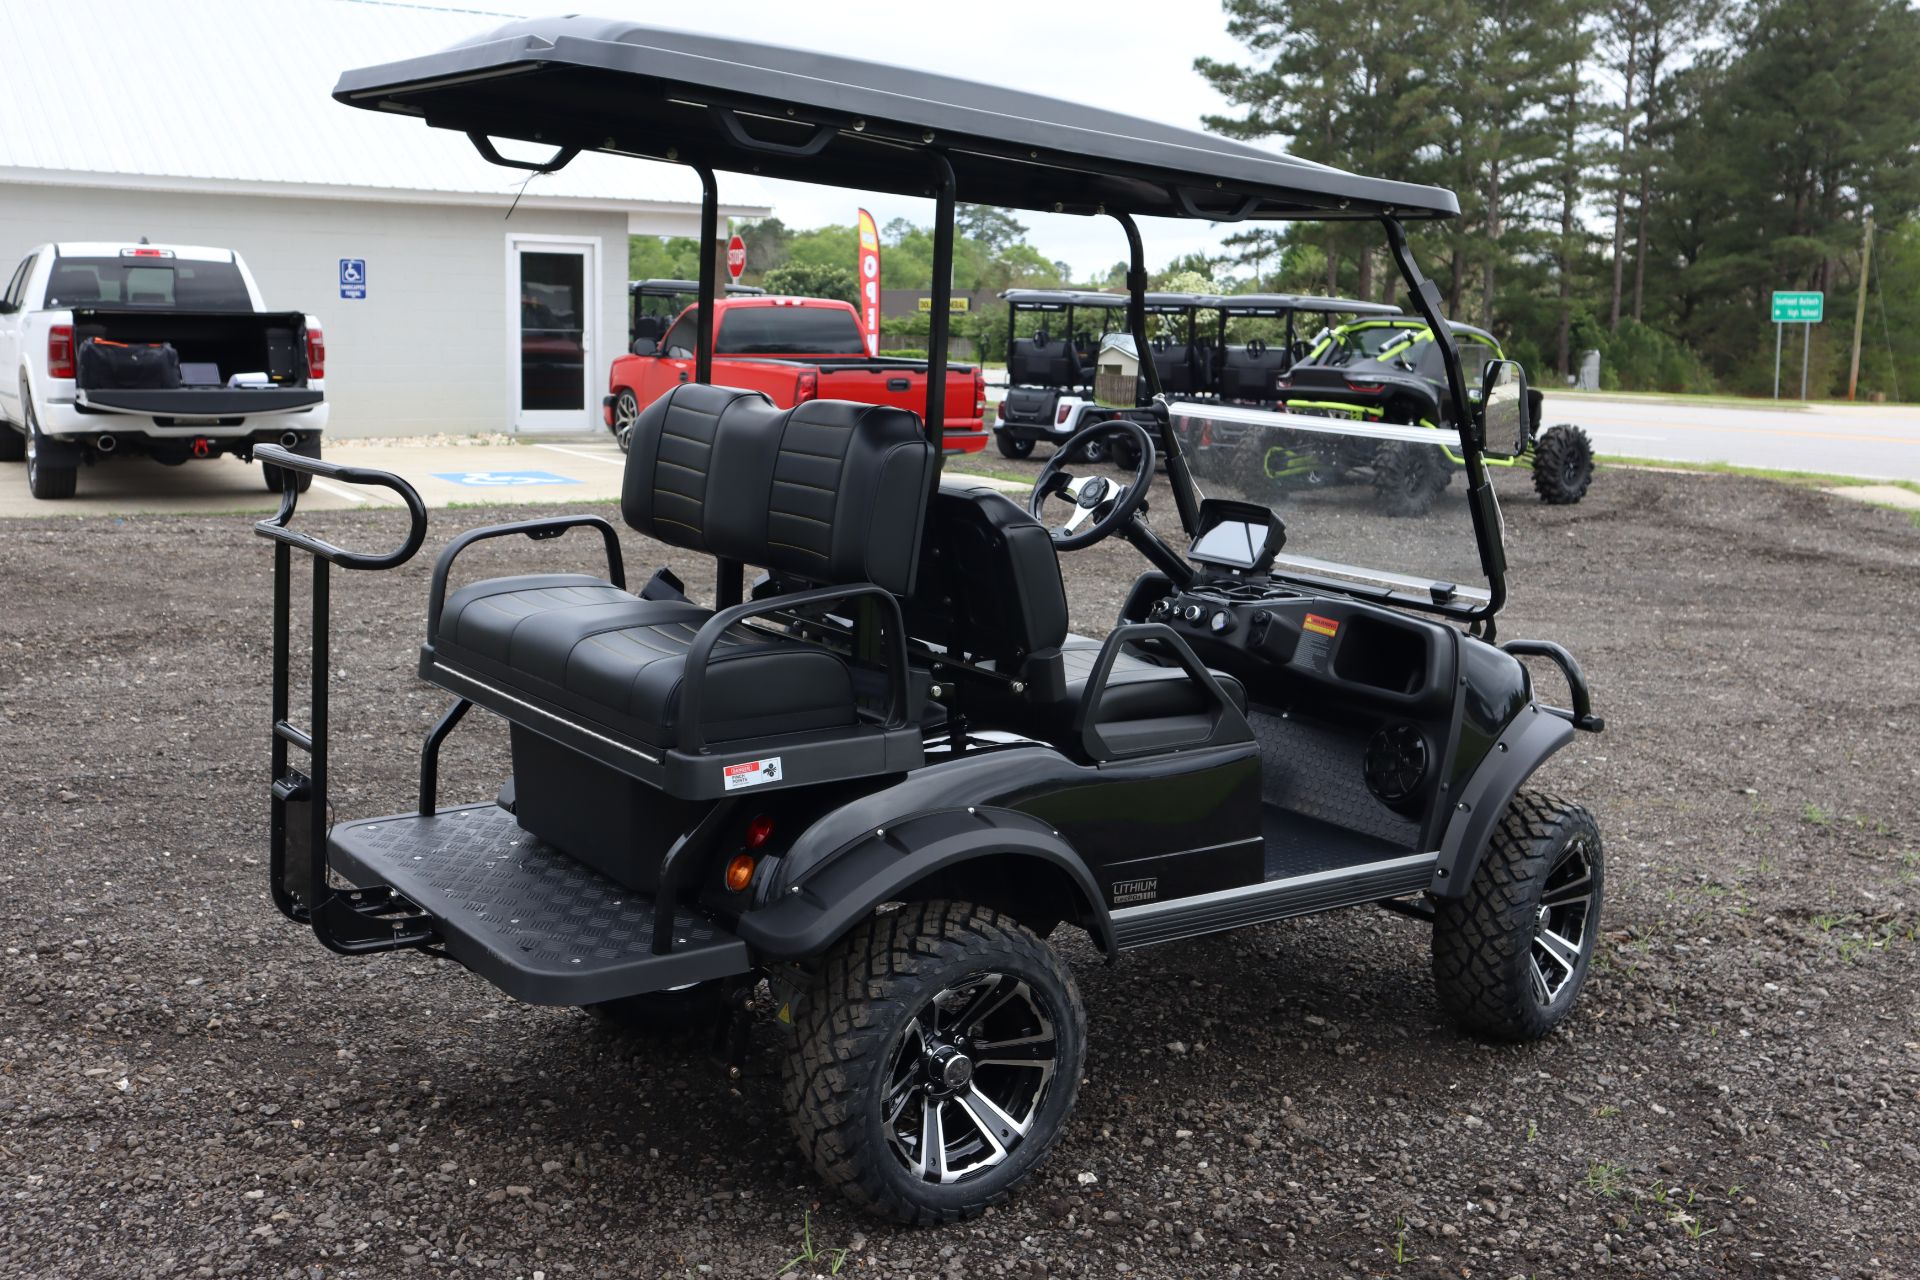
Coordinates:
539 925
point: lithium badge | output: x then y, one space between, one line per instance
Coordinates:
752 773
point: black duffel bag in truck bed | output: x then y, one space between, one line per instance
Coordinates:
129 366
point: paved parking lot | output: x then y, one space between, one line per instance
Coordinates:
444 471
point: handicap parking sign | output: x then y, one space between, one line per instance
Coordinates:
502 479
353 277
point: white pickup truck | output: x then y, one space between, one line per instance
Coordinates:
165 350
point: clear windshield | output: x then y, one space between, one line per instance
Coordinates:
1375 504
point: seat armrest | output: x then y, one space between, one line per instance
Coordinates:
539 531
693 677
1224 721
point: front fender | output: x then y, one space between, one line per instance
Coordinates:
805 917
1522 747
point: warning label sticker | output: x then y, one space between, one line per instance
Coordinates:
1328 627
752 773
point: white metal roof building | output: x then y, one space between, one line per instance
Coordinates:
212 123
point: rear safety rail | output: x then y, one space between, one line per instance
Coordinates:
535 530
1581 715
350 921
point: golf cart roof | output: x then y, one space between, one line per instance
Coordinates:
1061 299
1415 322
580 83
674 288
1274 304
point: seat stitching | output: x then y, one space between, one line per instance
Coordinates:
818 555
802 484
795 515
680 466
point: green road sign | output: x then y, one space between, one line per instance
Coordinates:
1799 308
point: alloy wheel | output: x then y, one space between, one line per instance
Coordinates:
967 1078
1561 925
626 409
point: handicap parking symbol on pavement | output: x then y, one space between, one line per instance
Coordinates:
502 479
353 278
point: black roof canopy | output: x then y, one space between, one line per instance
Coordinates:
597 84
1061 299
1269 304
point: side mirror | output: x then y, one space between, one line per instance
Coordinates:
1506 420
644 347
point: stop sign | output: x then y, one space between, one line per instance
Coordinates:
736 257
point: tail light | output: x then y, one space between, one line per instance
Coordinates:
759 831
1060 418
1367 388
316 352
60 351
1281 384
808 388
979 392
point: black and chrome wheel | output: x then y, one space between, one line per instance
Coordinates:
626 408
1510 956
936 1057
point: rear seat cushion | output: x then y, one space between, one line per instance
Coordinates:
596 651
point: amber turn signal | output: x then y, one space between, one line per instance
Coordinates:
740 872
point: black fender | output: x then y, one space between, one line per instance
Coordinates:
1522 747
805 916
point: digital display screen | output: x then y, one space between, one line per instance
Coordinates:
1231 544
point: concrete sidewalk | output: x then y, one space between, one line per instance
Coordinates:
578 471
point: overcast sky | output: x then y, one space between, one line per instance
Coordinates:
1093 52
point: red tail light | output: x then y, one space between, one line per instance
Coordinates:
1060 418
979 392
60 351
808 387
758 831
1367 388
316 352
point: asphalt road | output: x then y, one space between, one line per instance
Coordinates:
1881 441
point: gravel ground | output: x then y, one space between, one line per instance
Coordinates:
189 1086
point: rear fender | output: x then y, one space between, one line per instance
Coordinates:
1522 747
998 857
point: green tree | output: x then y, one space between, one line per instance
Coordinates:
804 280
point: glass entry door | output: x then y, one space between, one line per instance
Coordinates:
553 320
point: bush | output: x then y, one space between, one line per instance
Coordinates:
1639 357
800 280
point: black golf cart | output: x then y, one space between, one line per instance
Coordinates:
1050 377
881 781
653 305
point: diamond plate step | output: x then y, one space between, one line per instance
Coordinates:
539 925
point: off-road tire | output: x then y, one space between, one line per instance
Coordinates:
275 478
665 1012
849 1020
13 443
1482 942
44 481
1405 479
1010 447
1562 465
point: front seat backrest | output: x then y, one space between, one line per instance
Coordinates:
829 491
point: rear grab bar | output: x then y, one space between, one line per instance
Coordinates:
275 526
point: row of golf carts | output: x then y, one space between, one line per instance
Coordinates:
1071 365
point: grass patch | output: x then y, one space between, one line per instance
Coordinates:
833 1258
1804 479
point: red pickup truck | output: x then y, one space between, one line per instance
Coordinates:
793 349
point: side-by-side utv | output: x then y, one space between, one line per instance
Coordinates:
881 780
1390 369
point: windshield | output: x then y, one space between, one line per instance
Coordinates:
147 282
1377 507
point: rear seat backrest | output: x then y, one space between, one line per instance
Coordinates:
829 491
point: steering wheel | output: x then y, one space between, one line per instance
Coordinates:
1256 347
1108 503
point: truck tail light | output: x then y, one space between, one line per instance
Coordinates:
808 388
60 351
1367 388
979 392
316 352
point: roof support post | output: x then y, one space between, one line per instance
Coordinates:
938 321
709 275
1480 496
1184 500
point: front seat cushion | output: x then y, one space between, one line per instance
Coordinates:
593 649
1138 689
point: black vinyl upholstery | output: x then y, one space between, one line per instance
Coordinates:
1043 361
829 492
1138 689
1249 375
597 651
